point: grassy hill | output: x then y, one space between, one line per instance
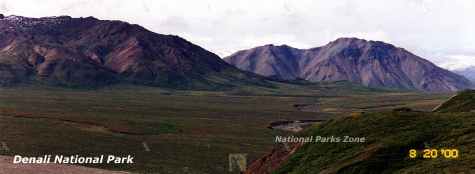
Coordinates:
390 135
462 102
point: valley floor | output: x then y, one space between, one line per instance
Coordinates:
175 131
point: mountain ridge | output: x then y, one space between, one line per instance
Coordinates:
91 52
371 63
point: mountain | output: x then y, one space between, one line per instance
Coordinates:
468 72
87 52
371 63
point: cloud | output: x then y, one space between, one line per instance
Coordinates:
457 62
3 7
440 31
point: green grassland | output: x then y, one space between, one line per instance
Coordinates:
390 135
187 131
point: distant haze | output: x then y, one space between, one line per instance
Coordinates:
442 31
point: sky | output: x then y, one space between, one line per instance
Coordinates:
442 31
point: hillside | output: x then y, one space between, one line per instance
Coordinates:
462 102
388 147
371 63
87 52
390 135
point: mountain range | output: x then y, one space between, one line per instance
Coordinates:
87 52
371 63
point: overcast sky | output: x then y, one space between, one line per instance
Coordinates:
442 31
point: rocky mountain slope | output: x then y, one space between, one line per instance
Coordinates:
371 63
88 52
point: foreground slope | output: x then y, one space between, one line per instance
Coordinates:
390 135
371 63
88 52
462 102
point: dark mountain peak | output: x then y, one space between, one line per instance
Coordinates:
263 47
272 47
345 41
284 46
2 16
349 39
355 48
91 18
353 41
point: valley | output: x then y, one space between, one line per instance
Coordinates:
160 104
